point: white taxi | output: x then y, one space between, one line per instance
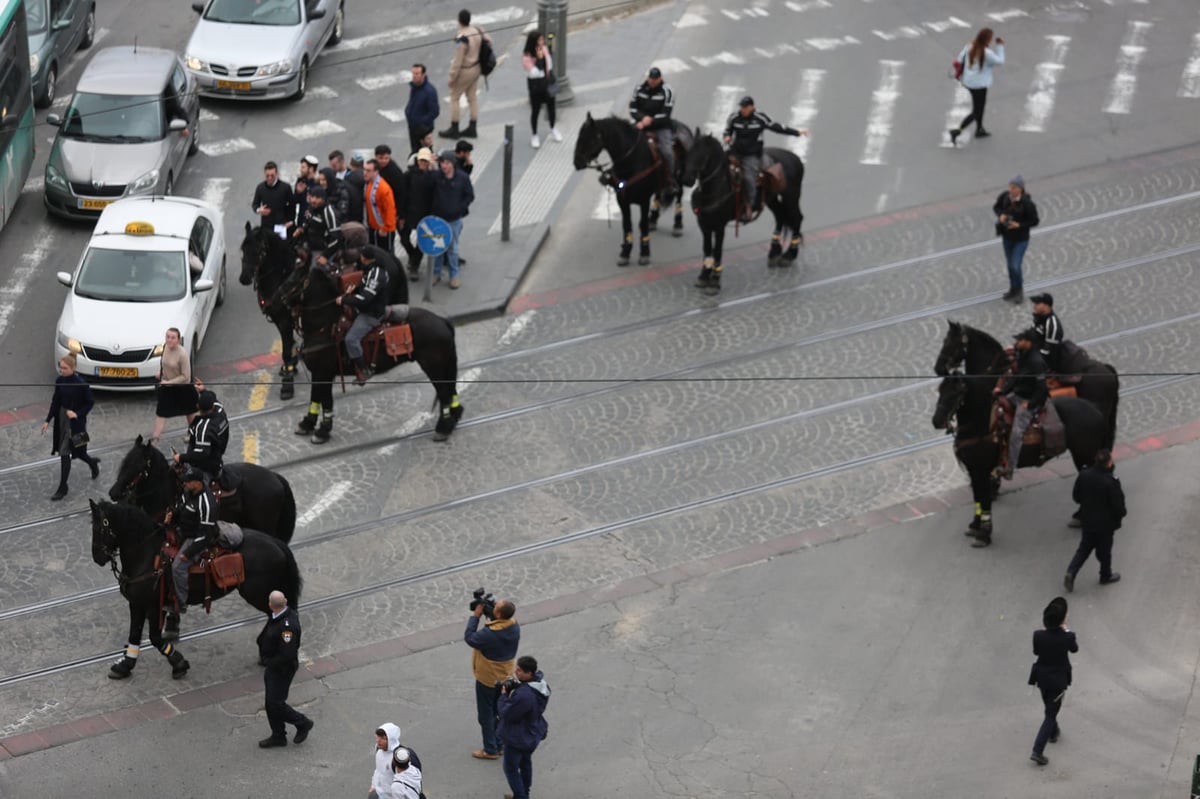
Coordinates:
152 263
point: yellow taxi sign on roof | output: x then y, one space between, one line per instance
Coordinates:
139 229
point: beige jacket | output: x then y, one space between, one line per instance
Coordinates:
465 65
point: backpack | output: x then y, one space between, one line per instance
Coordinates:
487 56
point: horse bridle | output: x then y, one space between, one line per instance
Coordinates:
722 163
110 549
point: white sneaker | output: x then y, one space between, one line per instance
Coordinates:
554 134
535 142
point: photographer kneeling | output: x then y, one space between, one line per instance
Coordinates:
522 724
495 648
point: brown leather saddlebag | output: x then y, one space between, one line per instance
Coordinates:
228 571
398 341
349 278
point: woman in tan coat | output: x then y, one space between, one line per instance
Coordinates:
176 394
464 75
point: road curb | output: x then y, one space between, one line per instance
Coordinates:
403 646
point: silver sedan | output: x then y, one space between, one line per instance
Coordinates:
260 49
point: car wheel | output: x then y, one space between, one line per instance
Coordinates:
302 83
47 96
221 285
194 144
338 22
89 30
170 187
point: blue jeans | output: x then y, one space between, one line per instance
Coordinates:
450 256
518 770
1014 254
362 325
487 699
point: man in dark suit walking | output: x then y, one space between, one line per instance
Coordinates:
1101 509
1052 672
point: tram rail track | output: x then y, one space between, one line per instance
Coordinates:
332 600
614 385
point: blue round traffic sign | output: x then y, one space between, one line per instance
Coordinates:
433 235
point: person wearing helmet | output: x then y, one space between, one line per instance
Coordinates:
744 134
196 527
208 437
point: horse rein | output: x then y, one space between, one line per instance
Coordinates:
110 552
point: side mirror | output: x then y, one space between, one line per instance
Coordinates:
177 124
316 14
64 278
198 7
202 285
54 119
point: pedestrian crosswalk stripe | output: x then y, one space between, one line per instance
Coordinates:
961 107
215 190
395 36
1124 83
1039 103
320 93
1189 83
883 106
314 130
392 115
672 65
800 8
804 110
208 116
724 103
691 19
1005 16
723 57
376 82
225 146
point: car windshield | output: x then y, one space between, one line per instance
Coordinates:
114 118
133 276
255 12
35 15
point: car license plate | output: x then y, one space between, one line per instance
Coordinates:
233 84
93 205
116 371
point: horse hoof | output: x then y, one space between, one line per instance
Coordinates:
784 262
677 231
643 260
320 437
712 290
286 393
773 262
440 436
623 261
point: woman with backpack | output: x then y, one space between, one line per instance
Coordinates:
977 60
473 59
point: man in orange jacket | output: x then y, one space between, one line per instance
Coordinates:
380 205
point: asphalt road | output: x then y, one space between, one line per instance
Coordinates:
627 425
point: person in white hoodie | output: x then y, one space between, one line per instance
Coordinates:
977 60
387 738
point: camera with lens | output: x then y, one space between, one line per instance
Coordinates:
509 684
488 601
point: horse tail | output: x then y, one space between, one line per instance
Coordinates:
286 526
293 582
1111 433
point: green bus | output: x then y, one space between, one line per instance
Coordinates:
16 106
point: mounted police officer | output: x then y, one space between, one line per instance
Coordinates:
744 134
196 527
1046 323
1026 389
369 298
321 232
208 437
651 107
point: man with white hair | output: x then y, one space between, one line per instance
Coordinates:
279 651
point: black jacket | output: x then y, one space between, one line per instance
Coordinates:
1051 331
1101 500
279 643
278 198
655 103
356 185
322 231
337 194
419 195
1029 380
70 394
1023 212
371 296
1052 672
197 517
452 197
208 437
747 132
394 176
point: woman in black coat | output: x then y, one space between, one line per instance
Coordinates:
68 412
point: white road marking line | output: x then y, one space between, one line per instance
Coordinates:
516 327
101 33
34 184
1189 83
691 20
758 11
1039 103
409 32
208 116
320 93
723 57
903 32
1124 83
775 51
834 43
804 109
606 207
941 26
225 146
881 203
1005 16
883 106
731 14
800 8
961 107
215 190
12 293
313 130
329 497
724 103
377 82
670 65
392 115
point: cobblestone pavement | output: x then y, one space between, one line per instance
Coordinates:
627 432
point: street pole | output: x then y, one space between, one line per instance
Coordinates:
552 22
506 191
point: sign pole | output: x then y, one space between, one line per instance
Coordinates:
552 22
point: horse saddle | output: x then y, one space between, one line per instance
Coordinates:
1045 434
770 177
226 483
1073 362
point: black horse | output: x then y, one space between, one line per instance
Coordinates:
1098 382
130 540
716 203
635 175
313 293
964 408
267 260
262 500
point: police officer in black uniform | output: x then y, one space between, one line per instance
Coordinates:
208 437
744 134
1027 390
370 299
196 520
651 107
320 231
279 651
1046 323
